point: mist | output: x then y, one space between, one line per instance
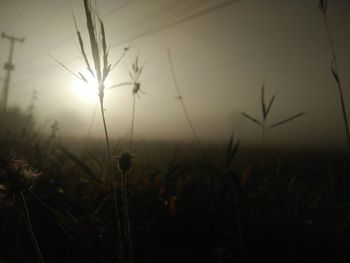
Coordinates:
221 60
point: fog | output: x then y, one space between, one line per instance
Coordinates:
222 52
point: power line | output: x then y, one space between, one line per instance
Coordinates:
73 35
147 32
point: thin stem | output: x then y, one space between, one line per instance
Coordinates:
132 121
99 207
105 130
115 199
31 231
117 213
262 157
339 84
239 227
59 216
126 219
179 96
91 123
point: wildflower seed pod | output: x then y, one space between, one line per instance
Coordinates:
15 176
124 162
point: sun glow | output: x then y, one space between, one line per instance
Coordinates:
87 92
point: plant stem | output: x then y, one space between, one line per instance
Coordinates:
179 96
92 122
105 130
115 198
132 121
126 219
339 84
30 230
119 229
262 157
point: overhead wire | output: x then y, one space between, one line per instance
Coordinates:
156 29
73 35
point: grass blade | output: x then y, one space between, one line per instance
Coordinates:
82 48
286 120
251 118
106 68
121 57
231 151
335 75
66 68
263 102
81 164
270 104
121 84
93 39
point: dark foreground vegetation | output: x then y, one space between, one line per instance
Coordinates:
186 204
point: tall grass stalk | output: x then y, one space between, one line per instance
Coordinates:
100 72
92 123
124 165
125 158
265 110
323 6
127 219
135 74
190 124
132 121
180 98
30 230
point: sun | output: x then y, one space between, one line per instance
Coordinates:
87 92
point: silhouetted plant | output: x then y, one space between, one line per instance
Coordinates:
124 165
99 69
17 178
265 110
323 6
135 74
180 98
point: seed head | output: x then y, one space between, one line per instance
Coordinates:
125 162
15 176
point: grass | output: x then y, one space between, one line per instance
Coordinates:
99 71
181 99
16 179
323 6
245 219
185 206
265 111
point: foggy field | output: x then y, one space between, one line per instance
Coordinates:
183 205
162 131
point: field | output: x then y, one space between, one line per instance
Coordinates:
184 204
84 199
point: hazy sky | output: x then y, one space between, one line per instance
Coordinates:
221 60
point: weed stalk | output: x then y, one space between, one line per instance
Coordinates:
126 218
334 68
265 110
30 230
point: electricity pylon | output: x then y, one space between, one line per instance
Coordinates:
8 67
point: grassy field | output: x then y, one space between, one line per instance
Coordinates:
98 200
185 203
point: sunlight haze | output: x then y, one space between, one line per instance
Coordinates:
221 59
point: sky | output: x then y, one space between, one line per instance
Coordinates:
221 60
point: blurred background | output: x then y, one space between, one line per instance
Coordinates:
223 51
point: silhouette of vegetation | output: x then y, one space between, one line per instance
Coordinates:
323 6
265 110
62 201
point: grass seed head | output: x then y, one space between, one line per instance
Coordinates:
15 176
125 161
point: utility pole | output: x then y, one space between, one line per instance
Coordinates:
8 67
